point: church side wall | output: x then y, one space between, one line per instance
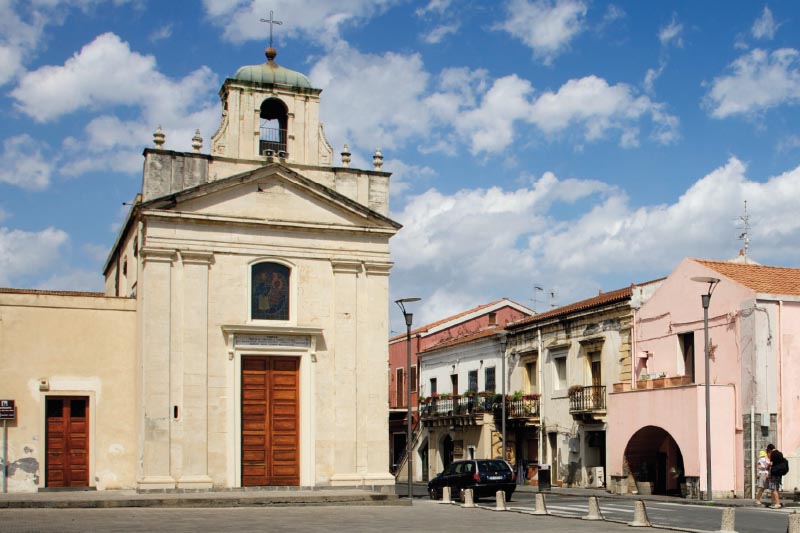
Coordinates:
56 345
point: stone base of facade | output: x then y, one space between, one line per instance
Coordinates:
195 483
155 483
347 480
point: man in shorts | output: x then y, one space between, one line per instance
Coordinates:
775 458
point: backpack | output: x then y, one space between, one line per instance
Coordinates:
781 466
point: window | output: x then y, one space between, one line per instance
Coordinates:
269 292
489 379
560 369
686 346
400 388
492 319
433 386
595 369
454 383
413 379
472 379
125 266
530 373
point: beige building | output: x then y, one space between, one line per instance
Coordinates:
241 339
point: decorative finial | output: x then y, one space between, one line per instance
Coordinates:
197 142
346 156
159 138
377 159
271 22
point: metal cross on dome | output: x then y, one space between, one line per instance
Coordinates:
271 22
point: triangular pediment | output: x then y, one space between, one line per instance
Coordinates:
274 194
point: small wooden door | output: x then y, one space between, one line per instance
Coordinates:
67 442
270 421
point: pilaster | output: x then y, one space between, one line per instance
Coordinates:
345 276
155 291
194 401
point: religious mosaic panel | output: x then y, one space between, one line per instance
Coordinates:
270 292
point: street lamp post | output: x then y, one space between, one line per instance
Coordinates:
409 317
706 300
503 392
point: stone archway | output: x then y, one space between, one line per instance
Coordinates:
447 451
655 461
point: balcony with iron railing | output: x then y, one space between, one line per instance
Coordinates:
272 139
587 402
469 409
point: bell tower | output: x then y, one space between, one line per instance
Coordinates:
271 111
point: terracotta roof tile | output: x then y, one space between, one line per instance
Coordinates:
601 299
463 339
428 327
760 278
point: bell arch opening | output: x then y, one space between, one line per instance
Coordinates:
273 124
655 461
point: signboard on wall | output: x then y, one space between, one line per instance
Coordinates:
7 410
458 448
291 341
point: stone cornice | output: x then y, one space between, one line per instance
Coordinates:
158 255
345 266
196 257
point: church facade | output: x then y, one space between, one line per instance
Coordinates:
241 337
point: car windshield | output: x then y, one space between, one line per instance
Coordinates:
493 466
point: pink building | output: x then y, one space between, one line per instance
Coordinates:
493 315
657 420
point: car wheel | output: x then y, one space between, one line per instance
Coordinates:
462 495
432 493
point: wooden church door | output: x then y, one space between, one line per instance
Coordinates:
270 421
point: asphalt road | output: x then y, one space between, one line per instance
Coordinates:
423 515
676 515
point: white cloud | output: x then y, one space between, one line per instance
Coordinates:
671 33
434 6
159 34
97 252
490 127
371 100
468 106
546 26
23 164
92 80
18 39
437 34
598 107
764 27
454 246
792 142
25 253
74 280
759 81
318 20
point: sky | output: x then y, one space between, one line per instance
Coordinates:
540 150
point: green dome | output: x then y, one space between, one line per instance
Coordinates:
272 73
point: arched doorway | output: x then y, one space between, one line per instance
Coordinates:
447 451
654 459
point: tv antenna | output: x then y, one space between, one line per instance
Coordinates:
745 235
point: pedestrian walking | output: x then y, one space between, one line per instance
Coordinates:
779 467
762 472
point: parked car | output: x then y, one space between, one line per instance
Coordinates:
484 476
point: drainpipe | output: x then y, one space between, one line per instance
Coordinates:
779 414
541 397
752 451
